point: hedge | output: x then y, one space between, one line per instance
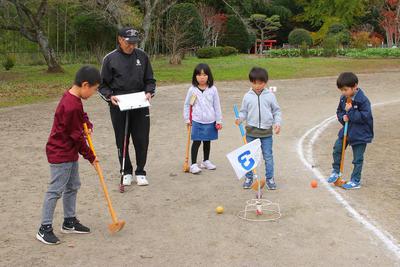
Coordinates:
353 53
211 52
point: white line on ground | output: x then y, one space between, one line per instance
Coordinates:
308 159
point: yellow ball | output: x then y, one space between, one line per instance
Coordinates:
219 210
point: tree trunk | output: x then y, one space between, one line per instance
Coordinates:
262 42
48 53
176 59
29 26
146 28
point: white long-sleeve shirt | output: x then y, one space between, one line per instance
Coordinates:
206 108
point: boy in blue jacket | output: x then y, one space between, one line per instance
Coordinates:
360 131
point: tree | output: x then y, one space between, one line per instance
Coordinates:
213 24
152 9
176 42
236 34
265 27
29 23
95 33
319 11
339 32
183 30
390 21
114 10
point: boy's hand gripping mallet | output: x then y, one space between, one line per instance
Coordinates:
340 181
186 167
256 185
116 225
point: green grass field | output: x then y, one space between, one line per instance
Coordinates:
30 84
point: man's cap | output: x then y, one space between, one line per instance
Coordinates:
129 34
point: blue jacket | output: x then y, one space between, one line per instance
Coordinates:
361 123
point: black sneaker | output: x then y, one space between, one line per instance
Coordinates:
46 235
73 226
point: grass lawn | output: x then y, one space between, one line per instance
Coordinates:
30 84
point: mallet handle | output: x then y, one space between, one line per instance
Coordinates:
100 173
346 126
242 132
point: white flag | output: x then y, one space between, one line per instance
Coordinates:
245 158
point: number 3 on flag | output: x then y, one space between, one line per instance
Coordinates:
246 160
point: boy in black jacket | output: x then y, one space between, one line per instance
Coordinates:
360 131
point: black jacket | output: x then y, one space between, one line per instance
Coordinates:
361 122
126 73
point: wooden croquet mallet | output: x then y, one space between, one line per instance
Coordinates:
340 181
116 225
255 185
186 167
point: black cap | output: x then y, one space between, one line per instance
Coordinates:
129 34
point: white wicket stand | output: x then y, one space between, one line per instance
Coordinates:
259 209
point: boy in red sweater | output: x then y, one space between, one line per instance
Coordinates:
66 140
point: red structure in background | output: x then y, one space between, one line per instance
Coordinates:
268 44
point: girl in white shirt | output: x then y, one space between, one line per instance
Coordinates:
206 115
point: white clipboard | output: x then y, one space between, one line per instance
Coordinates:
132 101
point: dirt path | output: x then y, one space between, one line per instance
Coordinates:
172 222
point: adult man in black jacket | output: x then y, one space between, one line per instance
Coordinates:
127 70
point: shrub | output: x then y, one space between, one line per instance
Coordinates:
360 40
376 39
374 53
335 28
229 50
340 32
352 52
283 53
300 36
330 47
209 52
304 50
9 62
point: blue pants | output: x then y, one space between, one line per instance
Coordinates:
358 158
266 146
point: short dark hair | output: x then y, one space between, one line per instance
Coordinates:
347 79
197 71
87 74
258 74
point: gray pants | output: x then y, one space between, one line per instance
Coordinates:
64 180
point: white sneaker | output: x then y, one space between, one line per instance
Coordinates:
195 169
141 180
207 165
127 180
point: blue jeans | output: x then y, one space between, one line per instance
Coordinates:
266 146
358 159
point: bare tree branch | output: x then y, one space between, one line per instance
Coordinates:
236 13
42 9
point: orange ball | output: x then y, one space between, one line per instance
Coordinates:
314 184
